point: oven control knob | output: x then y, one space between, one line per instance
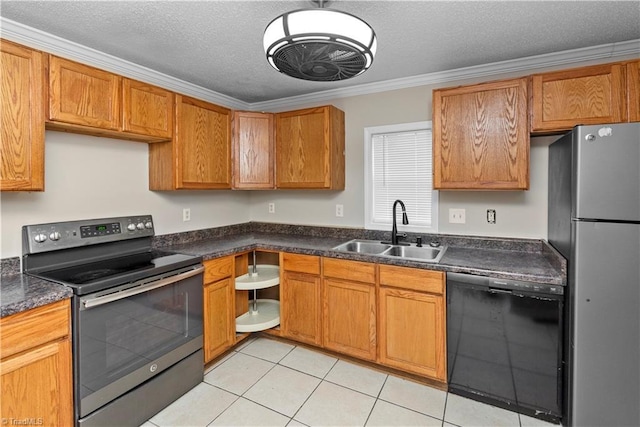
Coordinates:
54 236
148 224
140 226
40 237
131 227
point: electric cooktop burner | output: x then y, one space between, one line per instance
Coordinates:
87 273
96 276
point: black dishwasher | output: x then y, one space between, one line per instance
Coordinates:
504 343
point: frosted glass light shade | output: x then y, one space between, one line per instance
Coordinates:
319 44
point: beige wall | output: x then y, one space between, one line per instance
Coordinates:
90 177
519 213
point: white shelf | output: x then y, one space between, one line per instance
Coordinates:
265 277
265 317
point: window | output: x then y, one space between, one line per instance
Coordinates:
398 165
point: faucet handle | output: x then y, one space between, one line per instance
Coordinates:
419 242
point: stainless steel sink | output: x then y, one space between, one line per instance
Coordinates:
373 247
369 247
423 253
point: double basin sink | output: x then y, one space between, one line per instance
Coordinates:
409 252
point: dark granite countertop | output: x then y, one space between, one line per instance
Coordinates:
516 259
19 292
539 264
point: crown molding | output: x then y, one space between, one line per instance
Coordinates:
49 43
41 40
611 52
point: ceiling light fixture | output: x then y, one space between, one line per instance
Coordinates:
319 44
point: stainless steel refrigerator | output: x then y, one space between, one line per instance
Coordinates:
594 222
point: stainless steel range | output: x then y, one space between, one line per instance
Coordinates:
137 315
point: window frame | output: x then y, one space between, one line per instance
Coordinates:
368 179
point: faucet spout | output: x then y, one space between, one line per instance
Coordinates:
405 221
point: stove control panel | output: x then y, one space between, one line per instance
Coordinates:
63 235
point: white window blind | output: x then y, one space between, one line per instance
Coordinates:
400 167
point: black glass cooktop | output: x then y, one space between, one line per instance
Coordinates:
96 276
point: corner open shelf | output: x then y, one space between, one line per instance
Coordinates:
263 313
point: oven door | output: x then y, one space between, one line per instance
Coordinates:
126 335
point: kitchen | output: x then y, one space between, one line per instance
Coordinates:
79 186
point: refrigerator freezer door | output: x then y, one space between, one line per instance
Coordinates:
607 172
605 282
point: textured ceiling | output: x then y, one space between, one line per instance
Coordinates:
218 44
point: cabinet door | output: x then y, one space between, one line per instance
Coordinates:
300 307
22 114
349 324
412 332
633 91
481 136
36 385
587 95
253 149
83 95
310 148
146 109
202 144
219 320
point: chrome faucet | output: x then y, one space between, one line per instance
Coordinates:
405 221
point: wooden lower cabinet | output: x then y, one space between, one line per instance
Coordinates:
36 366
412 327
350 318
349 307
219 307
300 298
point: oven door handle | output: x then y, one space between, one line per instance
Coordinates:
94 302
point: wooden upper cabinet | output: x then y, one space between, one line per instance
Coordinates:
84 99
199 157
481 136
22 114
253 150
146 109
310 148
588 95
83 95
633 91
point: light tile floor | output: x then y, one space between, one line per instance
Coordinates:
265 382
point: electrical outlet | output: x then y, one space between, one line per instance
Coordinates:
186 214
339 211
457 216
491 216
272 208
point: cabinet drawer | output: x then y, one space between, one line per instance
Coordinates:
301 263
217 269
412 278
32 328
349 270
